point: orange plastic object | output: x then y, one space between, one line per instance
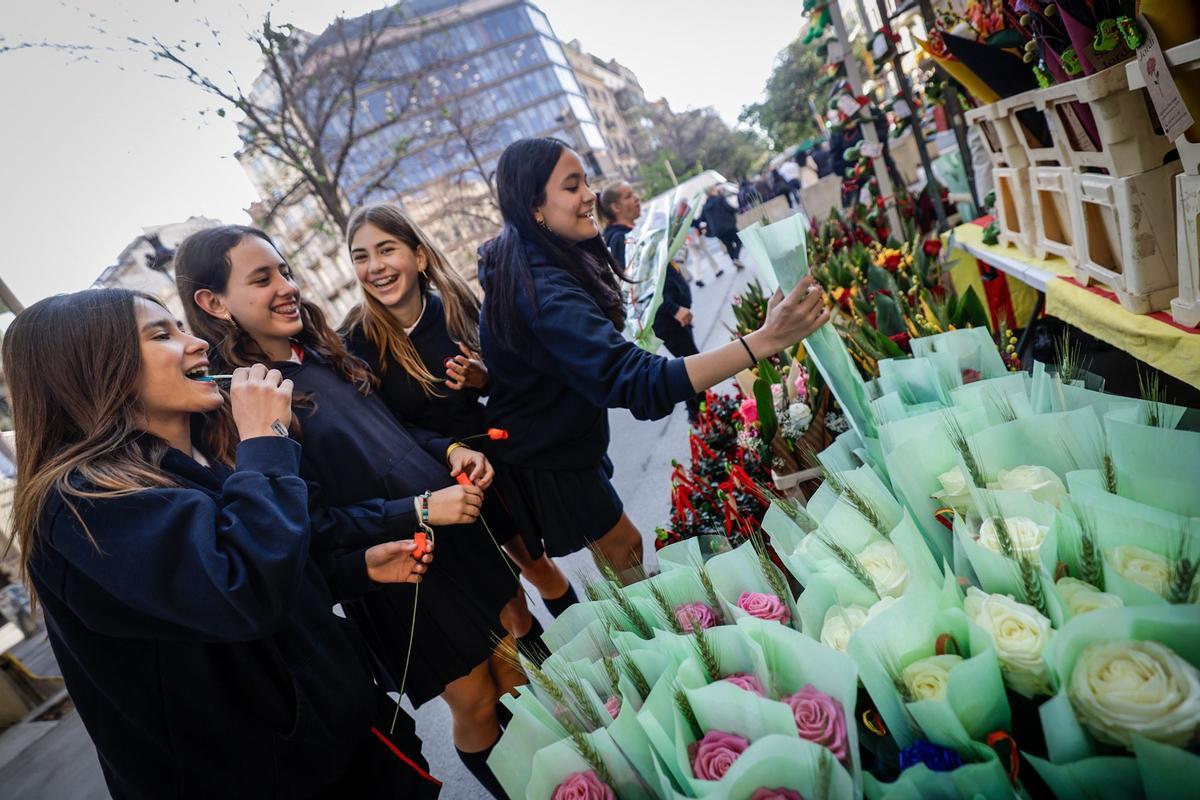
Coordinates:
422 541
463 479
497 433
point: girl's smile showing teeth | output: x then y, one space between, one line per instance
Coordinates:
288 309
385 282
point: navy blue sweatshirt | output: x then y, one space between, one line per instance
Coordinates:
198 642
453 412
553 392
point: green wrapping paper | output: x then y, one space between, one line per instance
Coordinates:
827 589
1172 774
985 780
919 379
906 632
1156 466
678 586
840 456
775 761
782 245
691 552
724 707
530 730
975 395
973 347
738 571
996 573
1062 442
930 426
794 661
785 533
553 764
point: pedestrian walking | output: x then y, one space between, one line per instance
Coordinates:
551 337
164 527
238 293
721 220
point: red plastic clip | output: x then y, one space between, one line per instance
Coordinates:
463 479
421 539
497 433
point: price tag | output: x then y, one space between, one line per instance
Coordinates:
900 109
871 149
1172 113
847 105
836 54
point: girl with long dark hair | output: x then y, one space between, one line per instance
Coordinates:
551 337
418 320
238 293
168 539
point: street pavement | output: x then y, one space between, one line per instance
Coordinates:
62 763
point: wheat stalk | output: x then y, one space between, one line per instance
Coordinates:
1183 574
665 609
1109 471
824 774
958 440
687 712
705 651
850 562
1003 405
767 568
583 703
614 677
1031 584
710 592
1151 391
1091 561
635 675
587 751
847 493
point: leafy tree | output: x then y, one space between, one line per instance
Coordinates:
785 113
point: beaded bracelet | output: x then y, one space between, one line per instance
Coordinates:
422 504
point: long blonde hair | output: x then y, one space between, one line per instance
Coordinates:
73 364
377 323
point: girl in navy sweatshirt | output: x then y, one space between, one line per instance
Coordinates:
551 337
419 321
238 293
173 558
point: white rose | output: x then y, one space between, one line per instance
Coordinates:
927 678
1025 534
956 491
1140 566
1080 597
840 624
887 569
1020 635
1044 485
1123 688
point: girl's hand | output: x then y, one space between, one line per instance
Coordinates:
791 318
259 397
393 562
473 464
466 371
455 505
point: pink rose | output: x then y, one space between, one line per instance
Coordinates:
778 793
582 786
764 606
802 383
713 755
688 614
613 706
749 410
820 719
970 375
744 680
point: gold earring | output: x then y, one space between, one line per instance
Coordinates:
542 222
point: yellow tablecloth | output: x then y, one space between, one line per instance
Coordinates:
1152 338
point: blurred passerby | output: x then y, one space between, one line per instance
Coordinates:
721 220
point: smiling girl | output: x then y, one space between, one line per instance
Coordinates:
419 321
168 539
551 337
238 293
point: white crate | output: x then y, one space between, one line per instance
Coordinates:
1125 122
1185 309
1023 108
1052 190
1004 148
1125 236
1014 208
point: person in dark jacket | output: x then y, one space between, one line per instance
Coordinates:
551 337
721 220
238 292
673 319
168 541
418 321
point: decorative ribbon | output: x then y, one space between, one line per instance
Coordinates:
946 645
873 722
1009 752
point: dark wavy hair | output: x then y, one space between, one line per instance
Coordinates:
202 262
521 176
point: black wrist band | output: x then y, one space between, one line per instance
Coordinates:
749 352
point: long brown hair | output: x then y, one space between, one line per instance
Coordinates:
377 323
607 198
202 262
73 363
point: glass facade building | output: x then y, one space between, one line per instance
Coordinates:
498 65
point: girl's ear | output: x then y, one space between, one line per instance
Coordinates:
422 258
212 304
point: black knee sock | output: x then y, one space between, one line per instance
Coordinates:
557 605
476 764
530 645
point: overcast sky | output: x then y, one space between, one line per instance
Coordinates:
92 150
